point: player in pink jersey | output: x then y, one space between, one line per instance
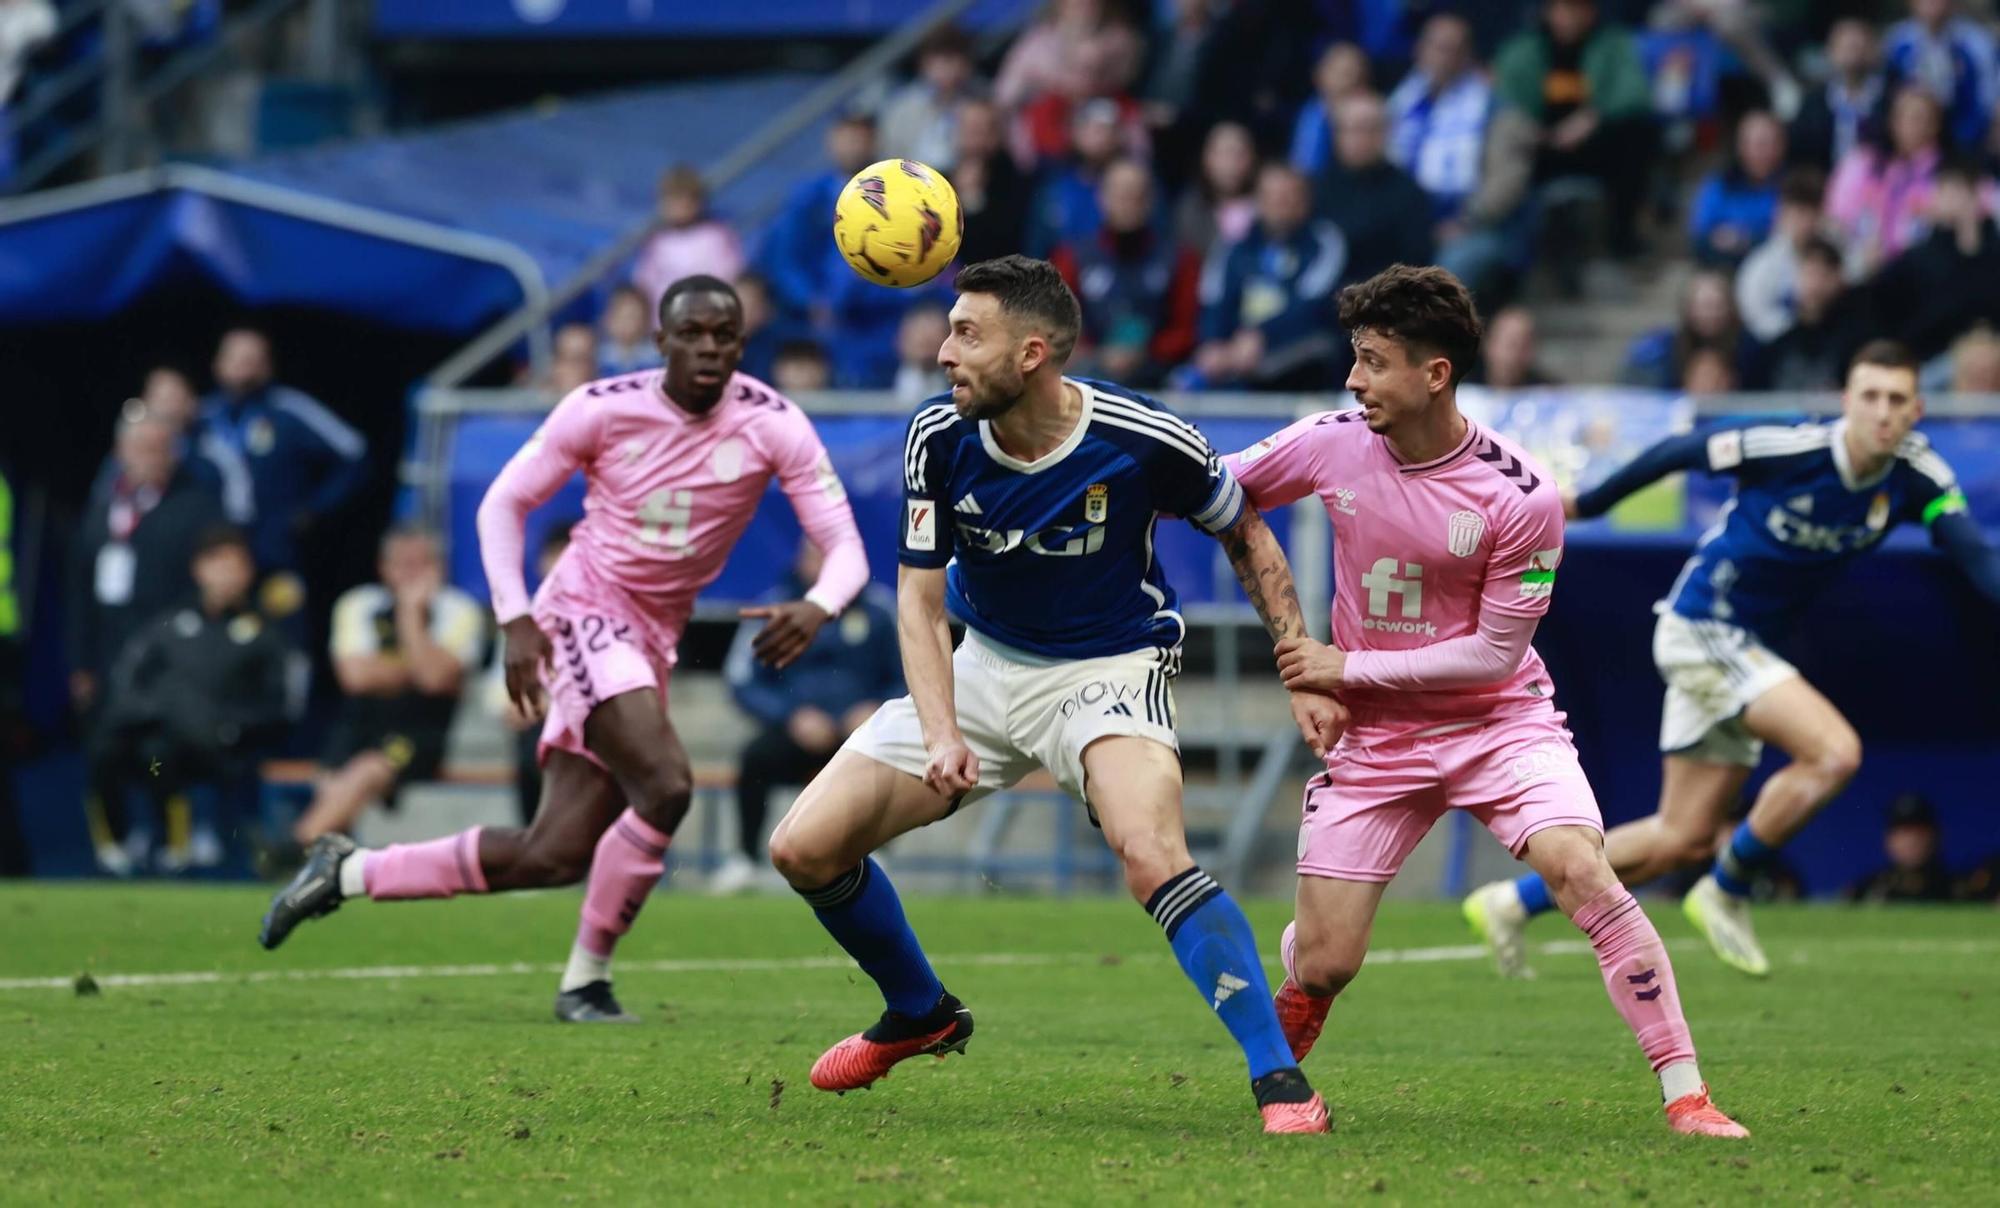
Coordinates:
675 461
1446 542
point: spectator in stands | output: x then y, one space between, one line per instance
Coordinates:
15 733
1949 282
919 120
801 367
1735 207
798 256
1139 290
1220 207
918 339
169 396
1182 51
993 193
401 648
1438 117
1267 317
626 344
1340 75
1831 322
195 698
1708 319
526 728
1065 208
1707 370
1767 282
805 711
1878 195
575 359
1846 111
1975 363
1916 871
1952 58
1508 356
24 25
1380 209
134 546
1583 84
763 330
1080 49
689 240
304 461
1740 26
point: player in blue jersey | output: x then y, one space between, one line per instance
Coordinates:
1030 505
1809 499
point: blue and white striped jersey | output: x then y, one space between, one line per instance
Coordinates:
1055 557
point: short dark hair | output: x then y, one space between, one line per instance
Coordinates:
1423 307
1031 289
801 350
1824 250
1803 187
1889 354
221 536
946 39
699 283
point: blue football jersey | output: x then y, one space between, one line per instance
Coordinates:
1055 557
1798 516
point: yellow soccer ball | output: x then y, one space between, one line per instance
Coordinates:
898 223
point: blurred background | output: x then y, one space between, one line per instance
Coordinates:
314 269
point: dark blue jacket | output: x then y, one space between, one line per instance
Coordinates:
304 463
853 658
1284 287
1730 199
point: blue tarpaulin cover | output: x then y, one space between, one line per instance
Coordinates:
541 190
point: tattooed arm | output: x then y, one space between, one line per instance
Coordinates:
1266 577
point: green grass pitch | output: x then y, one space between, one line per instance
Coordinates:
1865 1066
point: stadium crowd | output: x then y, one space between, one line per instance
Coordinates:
1829 167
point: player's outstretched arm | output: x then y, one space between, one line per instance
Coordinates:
924 633
819 499
1693 451
1259 562
1266 577
1959 535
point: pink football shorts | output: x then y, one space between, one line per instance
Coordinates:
601 651
1368 810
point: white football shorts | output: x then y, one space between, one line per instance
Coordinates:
1713 671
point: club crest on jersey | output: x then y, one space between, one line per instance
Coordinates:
1096 502
1462 533
875 191
1343 500
1878 511
260 437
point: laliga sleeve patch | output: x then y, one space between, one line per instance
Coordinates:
1725 450
919 524
1539 580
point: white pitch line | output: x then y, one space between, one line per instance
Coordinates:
1382 956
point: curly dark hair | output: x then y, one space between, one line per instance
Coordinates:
1029 289
1425 308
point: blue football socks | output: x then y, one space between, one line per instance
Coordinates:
1737 866
1534 894
861 911
1213 943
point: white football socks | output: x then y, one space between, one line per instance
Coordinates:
352 882
1679 1080
584 968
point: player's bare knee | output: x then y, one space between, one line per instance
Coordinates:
1324 972
1577 872
665 798
1686 849
1150 861
1839 757
803 866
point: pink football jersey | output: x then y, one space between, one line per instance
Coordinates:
1419 552
667 494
